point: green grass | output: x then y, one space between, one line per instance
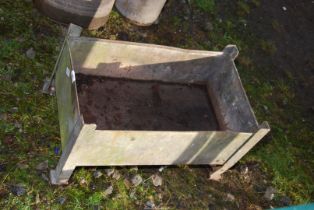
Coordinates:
205 5
30 132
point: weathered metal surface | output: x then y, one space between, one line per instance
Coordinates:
68 108
48 87
154 147
142 61
167 64
65 166
88 145
243 150
229 99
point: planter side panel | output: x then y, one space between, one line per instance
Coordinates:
66 96
229 99
141 61
154 147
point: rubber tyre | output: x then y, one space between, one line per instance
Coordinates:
90 14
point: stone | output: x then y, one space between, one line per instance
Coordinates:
132 194
18 190
286 201
230 197
30 53
92 187
83 182
61 200
269 193
116 175
18 126
136 180
244 170
157 180
266 109
108 191
42 166
208 26
109 171
37 199
149 205
97 174
44 177
127 183
14 109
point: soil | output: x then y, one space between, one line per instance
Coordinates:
291 31
119 104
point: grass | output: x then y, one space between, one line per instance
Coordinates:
207 6
29 130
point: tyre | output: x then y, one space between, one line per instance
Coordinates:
90 14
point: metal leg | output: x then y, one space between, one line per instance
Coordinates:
263 130
60 178
48 87
67 162
64 169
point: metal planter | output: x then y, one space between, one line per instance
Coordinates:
94 133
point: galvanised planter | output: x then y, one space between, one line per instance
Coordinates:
123 103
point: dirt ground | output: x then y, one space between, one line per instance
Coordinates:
120 104
291 31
